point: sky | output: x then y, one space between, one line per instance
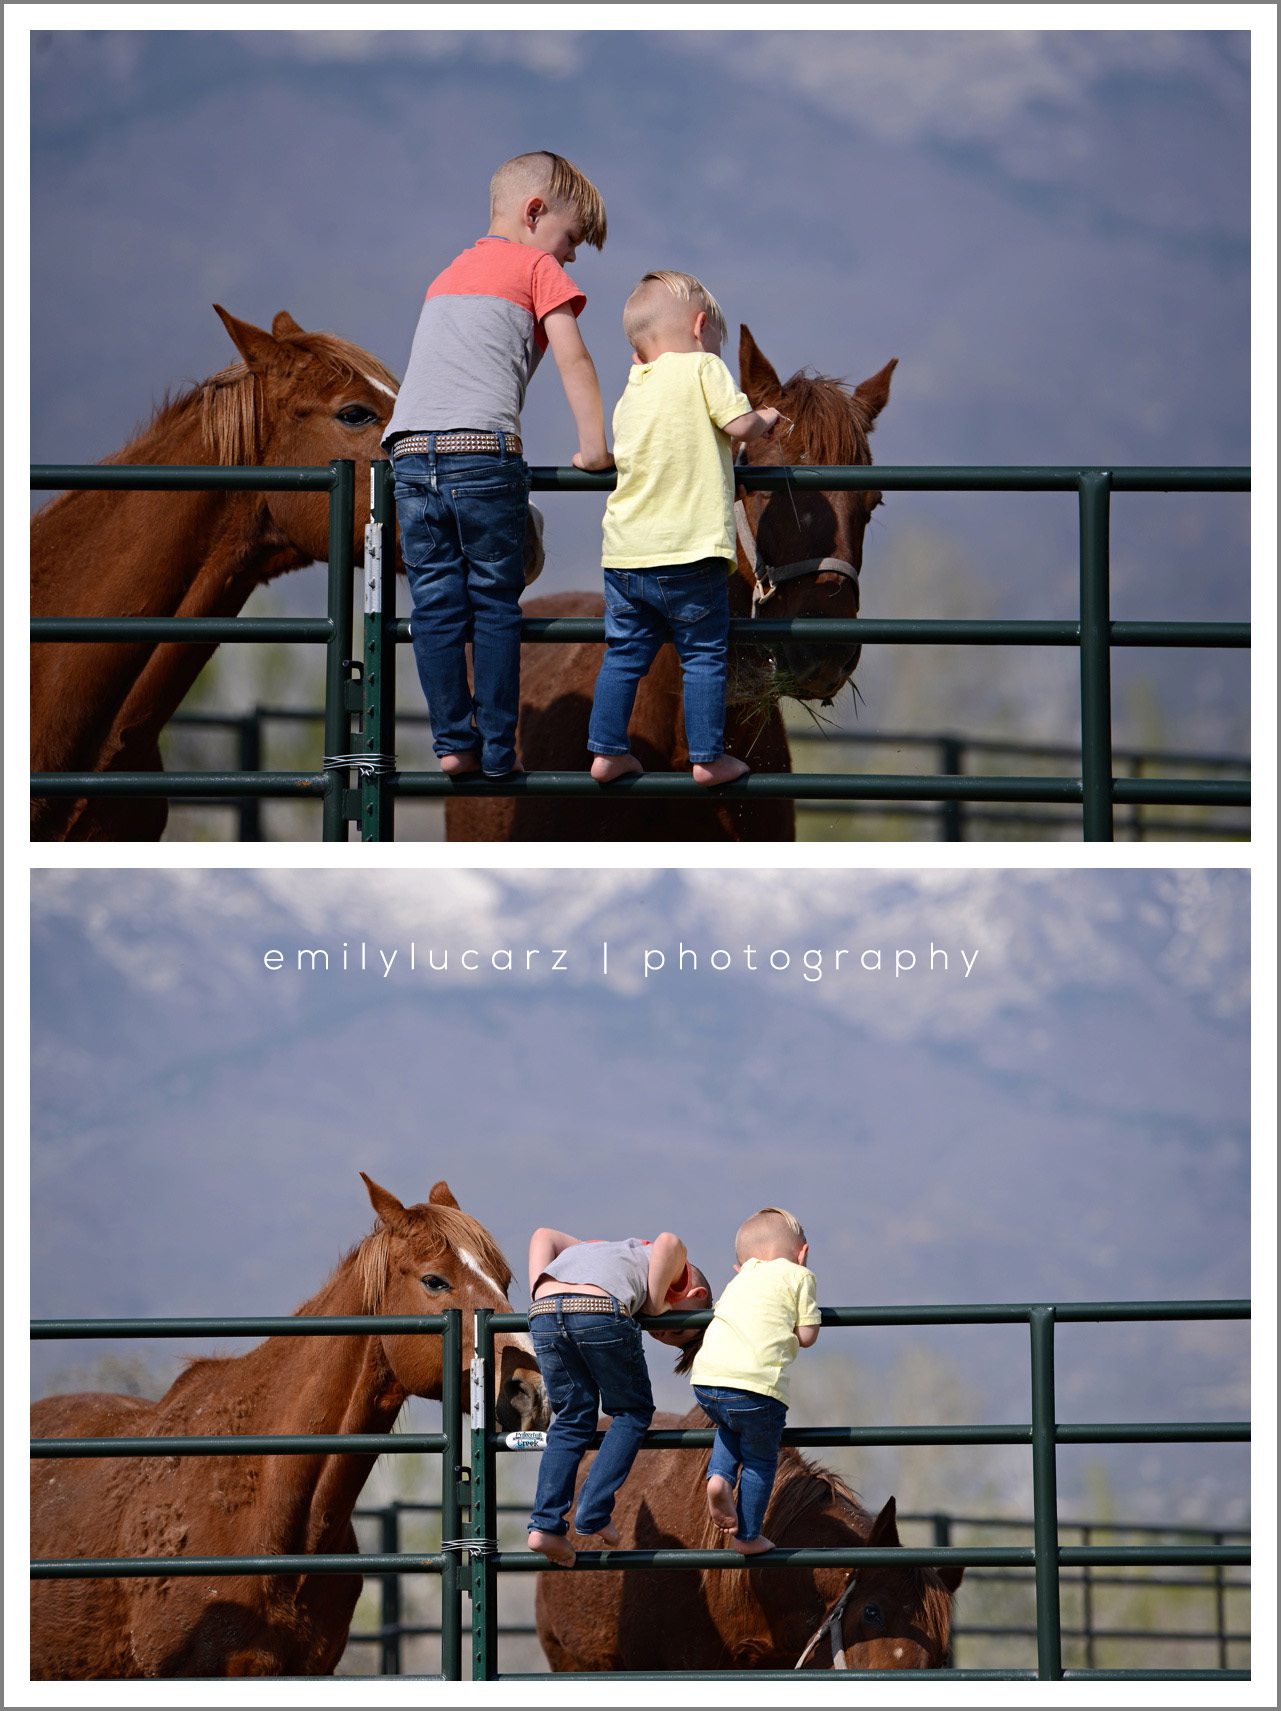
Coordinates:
1041 1093
1050 230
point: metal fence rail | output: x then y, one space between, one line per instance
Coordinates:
368 686
1047 1555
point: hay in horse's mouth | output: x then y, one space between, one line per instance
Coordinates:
757 683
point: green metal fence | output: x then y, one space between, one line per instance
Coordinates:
476 1488
251 735
367 686
1220 1633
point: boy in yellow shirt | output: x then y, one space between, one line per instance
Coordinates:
668 545
766 1312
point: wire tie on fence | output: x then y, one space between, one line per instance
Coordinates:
477 1547
367 765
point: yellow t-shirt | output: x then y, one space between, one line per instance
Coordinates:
752 1338
674 502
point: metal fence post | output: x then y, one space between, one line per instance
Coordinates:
484 1509
451 1472
1087 1600
1045 1500
378 683
951 813
1095 488
389 1608
342 521
249 759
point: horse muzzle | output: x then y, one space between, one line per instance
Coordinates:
807 671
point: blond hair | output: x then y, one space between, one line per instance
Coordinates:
772 1228
560 184
646 309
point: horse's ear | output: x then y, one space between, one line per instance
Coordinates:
885 1527
256 346
388 1208
440 1196
283 325
951 1574
874 394
755 372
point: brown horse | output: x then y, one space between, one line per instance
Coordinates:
745 1618
294 398
808 552
418 1259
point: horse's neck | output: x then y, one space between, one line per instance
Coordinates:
146 553
308 1384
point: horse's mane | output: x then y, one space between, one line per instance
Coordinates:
800 1487
829 419
228 404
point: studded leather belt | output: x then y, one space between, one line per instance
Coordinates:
457 440
574 1304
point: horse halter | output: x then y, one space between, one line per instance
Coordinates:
831 1626
767 577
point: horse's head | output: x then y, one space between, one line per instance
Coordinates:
302 399
887 1618
425 1258
811 541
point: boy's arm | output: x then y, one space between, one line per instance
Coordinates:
753 425
582 388
666 1262
807 1327
544 1245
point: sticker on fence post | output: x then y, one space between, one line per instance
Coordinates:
477 1393
373 567
526 1440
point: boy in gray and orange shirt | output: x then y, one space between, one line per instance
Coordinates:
462 485
586 1297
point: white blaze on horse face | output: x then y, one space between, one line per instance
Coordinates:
473 1265
381 385
519 1339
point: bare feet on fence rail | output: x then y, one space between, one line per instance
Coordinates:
606 768
554 1546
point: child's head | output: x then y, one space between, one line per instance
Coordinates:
768 1234
693 1296
543 199
672 311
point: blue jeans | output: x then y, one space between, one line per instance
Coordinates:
591 1363
687 604
749 1428
462 538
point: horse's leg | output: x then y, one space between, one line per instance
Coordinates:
121 819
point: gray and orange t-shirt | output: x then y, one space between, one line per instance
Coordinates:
479 339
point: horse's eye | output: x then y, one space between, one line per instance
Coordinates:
357 415
435 1284
873 1616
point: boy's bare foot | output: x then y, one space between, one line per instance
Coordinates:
752 1547
723 770
606 768
456 765
554 1546
720 1504
608 1535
